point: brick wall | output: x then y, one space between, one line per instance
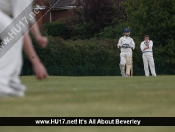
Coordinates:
45 14
46 17
59 14
39 18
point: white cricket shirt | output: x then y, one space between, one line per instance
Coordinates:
144 45
126 40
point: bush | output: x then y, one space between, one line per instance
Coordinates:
112 32
92 57
80 57
58 28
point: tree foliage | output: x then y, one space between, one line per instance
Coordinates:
92 16
58 28
155 18
90 37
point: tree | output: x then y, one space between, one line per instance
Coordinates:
155 18
91 16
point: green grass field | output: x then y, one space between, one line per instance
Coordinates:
93 96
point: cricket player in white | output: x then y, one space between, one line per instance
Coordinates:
126 44
146 48
11 61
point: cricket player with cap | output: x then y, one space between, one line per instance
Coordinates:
11 61
126 45
148 60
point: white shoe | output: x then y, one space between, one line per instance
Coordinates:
6 91
17 86
17 94
124 75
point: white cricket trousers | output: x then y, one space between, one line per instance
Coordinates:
11 61
123 56
148 61
123 59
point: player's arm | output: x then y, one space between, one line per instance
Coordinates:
142 47
39 69
145 48
119 43
42 40
150 44
34 29
132 44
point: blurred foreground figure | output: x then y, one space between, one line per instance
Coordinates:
12 12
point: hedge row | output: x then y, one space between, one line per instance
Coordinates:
91 57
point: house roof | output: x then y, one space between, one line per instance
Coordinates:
61 4
38 2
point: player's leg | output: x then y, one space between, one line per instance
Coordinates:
9 60
15 82
4 63
145 62
152 65
9 64
19 7
122 63
128 64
